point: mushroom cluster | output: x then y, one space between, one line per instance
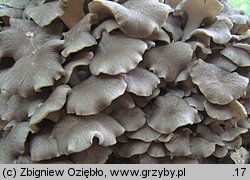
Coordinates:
124 81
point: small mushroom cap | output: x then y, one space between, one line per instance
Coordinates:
244 123
157 150
226 86
130 14
76 133
201 148
232 133
14 143
233 110
168 60
234 144
171 112
79 37
130 119
237 56
95 154
197 11
133 147
55 102
141 82
44 14
123 57
219 31
84 101
106 26
244 46
220 151
146 134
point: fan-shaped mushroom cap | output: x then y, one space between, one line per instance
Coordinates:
197 11
171 112
157 150
79 37
84 101
141 82
28 74
136 18
232 133
237 55
55 102
244 123
233 110
123 57
13 144
241 23
133 147
44 14
76 133
220 151
226 86
219 32
234 144
201 148
70 11
244 46
106 26
168 60
146 134
130 119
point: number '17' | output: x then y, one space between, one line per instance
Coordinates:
240 171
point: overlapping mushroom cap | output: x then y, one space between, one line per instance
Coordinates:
220 87
136 18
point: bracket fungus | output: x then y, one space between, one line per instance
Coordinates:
124 81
